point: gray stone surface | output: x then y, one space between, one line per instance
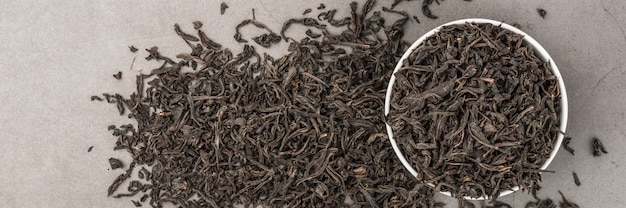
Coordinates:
54 55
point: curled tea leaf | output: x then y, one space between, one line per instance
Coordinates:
115 163
223 7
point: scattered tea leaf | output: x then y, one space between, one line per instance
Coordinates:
95 97
565 203
598 147
89 149
306 11
120 179
136 203
545 203
223 7
310 33
132 49
499 204
395 3
465 203
322 6
118 75
416 19
197 25
426 10
566 142
144 198
207 42
184 35
257 24
267 39
576 180
115 163
542 12
535 187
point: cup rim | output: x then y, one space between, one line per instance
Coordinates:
539 51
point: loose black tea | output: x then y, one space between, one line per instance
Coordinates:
197 25
566 142
545 203
499 204
542 12
533 190
426 10
598 147
238 36
132 49
306 11
416 19
95 97
136 203
118 75
223 7
302 130
466 204
474 111
321 6
89 149
576 180
115 163
120 179
310 33
565 203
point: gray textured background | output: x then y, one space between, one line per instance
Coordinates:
54 55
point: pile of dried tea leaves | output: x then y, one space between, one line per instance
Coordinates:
216 129
475 111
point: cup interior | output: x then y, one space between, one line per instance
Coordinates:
539 51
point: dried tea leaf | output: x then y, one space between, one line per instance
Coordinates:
416 19
132 49
115 163
534 190
310 33
197 25
565 203
184 35
267 39
89 149
598 147
542 12
566 142
499 204
545 203
95 97
223 7
136 203
576 180
118 75
246 22
306 11
207 42
120 179
426 10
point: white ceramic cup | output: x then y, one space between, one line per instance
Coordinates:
539 51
